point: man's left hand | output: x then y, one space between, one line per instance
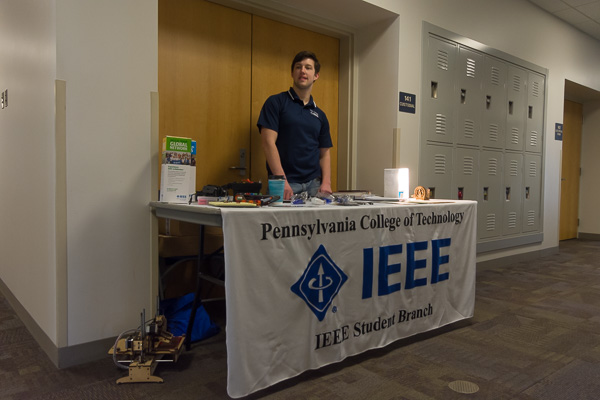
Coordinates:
325 188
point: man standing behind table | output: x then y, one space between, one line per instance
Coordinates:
295 133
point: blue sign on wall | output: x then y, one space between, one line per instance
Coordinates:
558 131
407 102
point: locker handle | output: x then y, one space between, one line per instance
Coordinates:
508 193
488 102
510 107
463 96
530 112
485 193
527 192
434 90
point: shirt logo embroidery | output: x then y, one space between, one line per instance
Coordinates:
313 112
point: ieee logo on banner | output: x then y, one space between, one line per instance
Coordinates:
320 283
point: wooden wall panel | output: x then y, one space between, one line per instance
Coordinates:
571 163
204 59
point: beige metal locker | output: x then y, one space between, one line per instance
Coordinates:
516 107
494 113
489 207
535 113
436 170
532 192
513 194
465 174
438 90
470 100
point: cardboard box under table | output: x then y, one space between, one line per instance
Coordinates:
183 269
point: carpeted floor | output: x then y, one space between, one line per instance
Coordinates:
535 335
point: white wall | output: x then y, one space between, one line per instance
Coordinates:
516 27
589 212
377 102
108 55
106 51
27 179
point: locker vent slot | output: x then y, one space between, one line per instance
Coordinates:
533 169
493 167
490 223
531 218
493 132
469 129
470 68
516 83
468 165
514 168
533 139
495 78
440 124
512 220
442 60
514 137
440 164
535 89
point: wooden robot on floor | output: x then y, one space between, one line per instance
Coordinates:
144 348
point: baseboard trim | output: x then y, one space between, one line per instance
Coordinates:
511 242
504 261
62 357
588 236
34 329
83 353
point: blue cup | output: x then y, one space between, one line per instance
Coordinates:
276 186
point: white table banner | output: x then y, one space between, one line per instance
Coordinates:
310 286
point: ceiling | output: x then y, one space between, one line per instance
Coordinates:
582 14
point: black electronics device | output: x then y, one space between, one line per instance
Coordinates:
244 187
212 191
260 199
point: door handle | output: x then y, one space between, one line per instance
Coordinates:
242 163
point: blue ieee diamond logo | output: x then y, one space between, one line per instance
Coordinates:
320 283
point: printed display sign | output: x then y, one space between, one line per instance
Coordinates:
407 103
178 169
310 286
558 131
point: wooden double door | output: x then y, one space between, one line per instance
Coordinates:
570 170
216 67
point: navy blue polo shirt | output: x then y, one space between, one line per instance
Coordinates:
302 130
